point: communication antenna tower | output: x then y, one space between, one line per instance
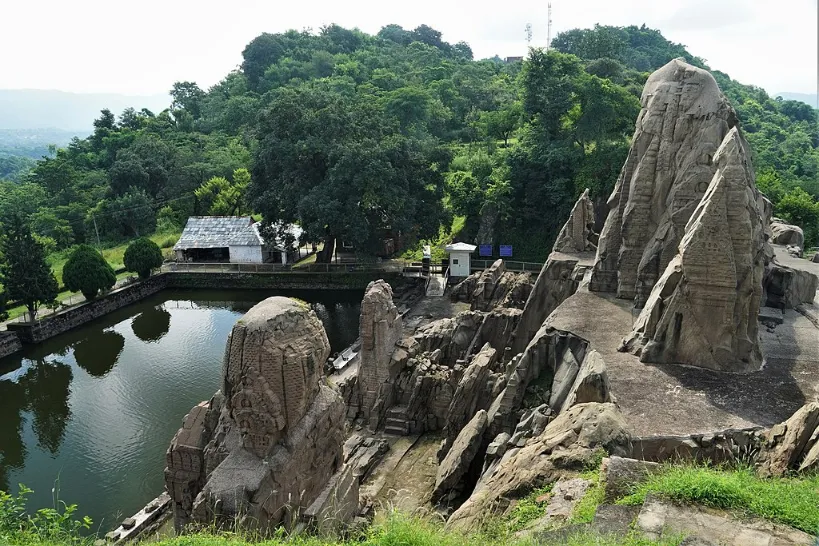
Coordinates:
529 34
549 29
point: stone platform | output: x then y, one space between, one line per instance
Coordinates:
681 400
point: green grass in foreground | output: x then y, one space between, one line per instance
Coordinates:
395 530
792 501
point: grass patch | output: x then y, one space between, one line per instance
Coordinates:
792 501
527 510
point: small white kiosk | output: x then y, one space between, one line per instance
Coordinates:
459 265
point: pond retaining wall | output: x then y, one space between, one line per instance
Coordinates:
63 321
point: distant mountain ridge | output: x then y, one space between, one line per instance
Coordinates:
811 99
74 112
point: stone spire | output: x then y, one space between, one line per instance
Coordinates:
683 120
703 311
578 234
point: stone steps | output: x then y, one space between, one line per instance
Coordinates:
396 421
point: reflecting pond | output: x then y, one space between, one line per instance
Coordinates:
90 413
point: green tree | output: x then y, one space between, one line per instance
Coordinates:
25 274
339 166
142 256
87 271
800 209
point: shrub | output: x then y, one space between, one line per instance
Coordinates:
141 256
87 271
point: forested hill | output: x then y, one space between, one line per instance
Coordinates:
354 136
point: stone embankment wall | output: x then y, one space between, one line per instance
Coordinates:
48 327
9 344
77 316
281 281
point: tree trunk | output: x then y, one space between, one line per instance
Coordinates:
326 254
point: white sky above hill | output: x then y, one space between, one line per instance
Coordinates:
142 47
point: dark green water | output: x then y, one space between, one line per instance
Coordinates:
94 410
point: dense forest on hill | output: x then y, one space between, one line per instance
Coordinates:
354 136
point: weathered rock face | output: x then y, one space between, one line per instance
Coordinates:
494 287
792 445
703 311
449 480
468 395
566 444
786 234
683 120
578 233
555 283
271 440
380 329
786 287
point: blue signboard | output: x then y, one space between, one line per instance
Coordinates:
485 250
506 251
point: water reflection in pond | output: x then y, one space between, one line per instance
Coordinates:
97 407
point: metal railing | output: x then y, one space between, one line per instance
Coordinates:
511 265
200 267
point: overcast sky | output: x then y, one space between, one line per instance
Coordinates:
142 47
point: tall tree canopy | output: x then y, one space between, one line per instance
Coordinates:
338 164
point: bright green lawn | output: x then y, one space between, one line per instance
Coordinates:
792 501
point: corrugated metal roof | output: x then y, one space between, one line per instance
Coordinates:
219 232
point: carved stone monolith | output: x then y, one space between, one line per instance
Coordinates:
683 120
380 329
269 443
703 311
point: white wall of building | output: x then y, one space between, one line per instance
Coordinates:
245 254
459 263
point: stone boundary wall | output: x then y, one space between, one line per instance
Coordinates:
64 321
9 343
20 333
281 281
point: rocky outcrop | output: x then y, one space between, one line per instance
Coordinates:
792 445
591 383
449 481
683 120
471 389
787 287
363 453
494 287
555 283
786 234
565 446
578 233
703 311
380 330
272 436
451 336
550 365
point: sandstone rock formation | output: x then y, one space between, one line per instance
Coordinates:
267 445
683 120
555 283
703 311
792 445
380 329
786 287
566 444
494 287
449 480
578 233
786 234
552 360
467 397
